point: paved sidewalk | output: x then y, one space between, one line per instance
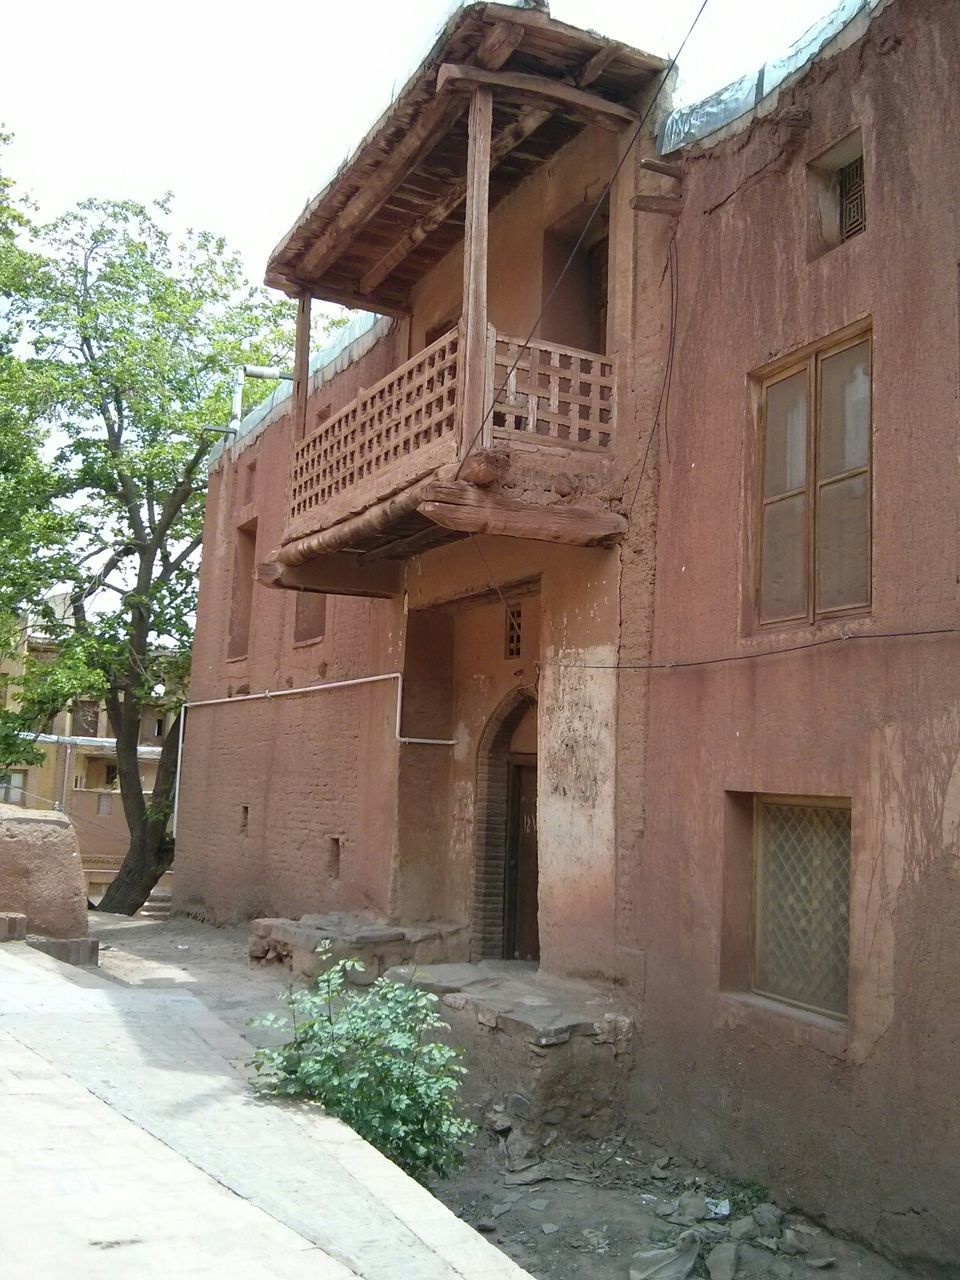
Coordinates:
132 1146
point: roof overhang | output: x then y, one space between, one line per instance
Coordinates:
396 207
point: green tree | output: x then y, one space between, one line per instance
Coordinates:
124 342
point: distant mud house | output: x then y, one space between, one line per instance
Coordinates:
600 598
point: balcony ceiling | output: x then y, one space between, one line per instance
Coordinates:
395 208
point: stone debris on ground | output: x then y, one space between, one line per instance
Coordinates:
610 1197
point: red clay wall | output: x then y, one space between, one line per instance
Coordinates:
858 1124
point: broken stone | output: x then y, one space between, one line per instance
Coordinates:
556 1115
486 1225
744 1229
659 1168
519 1105
498 1120
653 1229
782 1270
821 1263
548 1228
717 1208
768 1218
791 1243
768 1242
521 1151
538 1204
673 1263
498 1210
722 1261
691 1207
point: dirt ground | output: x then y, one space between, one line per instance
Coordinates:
586 1212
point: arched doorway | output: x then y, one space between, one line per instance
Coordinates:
505 880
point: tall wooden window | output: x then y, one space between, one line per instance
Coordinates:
815 508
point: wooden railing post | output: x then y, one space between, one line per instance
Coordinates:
474 353
301 368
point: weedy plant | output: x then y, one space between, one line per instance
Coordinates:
370 1056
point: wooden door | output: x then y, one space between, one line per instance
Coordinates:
521 932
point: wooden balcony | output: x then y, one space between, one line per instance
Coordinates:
402 467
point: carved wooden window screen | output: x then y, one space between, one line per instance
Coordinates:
557 395
802 903
404 412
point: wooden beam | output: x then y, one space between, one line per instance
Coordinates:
595 66
505 142
301 368
334 575
671 205
665 167
538 20
589 107
463 508
432 122
472 359
341 297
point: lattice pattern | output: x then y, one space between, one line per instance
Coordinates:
557 394
802 929
851 192
412 407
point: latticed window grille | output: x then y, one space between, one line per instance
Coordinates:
513 632
851 193
802 904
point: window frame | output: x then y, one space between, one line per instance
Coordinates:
810 360
798 802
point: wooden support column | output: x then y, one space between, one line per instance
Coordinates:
301 368
473 355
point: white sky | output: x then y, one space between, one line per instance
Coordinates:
244 110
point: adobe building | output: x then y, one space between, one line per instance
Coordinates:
614 622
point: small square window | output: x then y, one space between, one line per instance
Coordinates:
836 195
801 908
513 632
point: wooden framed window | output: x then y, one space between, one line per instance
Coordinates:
815 481
801 913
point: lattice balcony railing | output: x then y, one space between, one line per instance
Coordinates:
395 418
555 395
408 423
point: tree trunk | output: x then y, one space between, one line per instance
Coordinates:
151 846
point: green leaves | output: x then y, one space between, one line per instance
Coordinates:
371 1057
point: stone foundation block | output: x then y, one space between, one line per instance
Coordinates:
68 950
13 926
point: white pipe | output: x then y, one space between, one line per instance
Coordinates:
176 781
66 776
266 371
289 693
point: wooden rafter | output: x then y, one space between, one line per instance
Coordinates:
670 205
589 107
436 118
505 142
665 167
461 507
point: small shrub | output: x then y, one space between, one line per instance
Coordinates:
368 1057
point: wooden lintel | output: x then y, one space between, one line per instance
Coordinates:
461 507
665 167
336 574
670 205
406 548
432 122
516 84
506 141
